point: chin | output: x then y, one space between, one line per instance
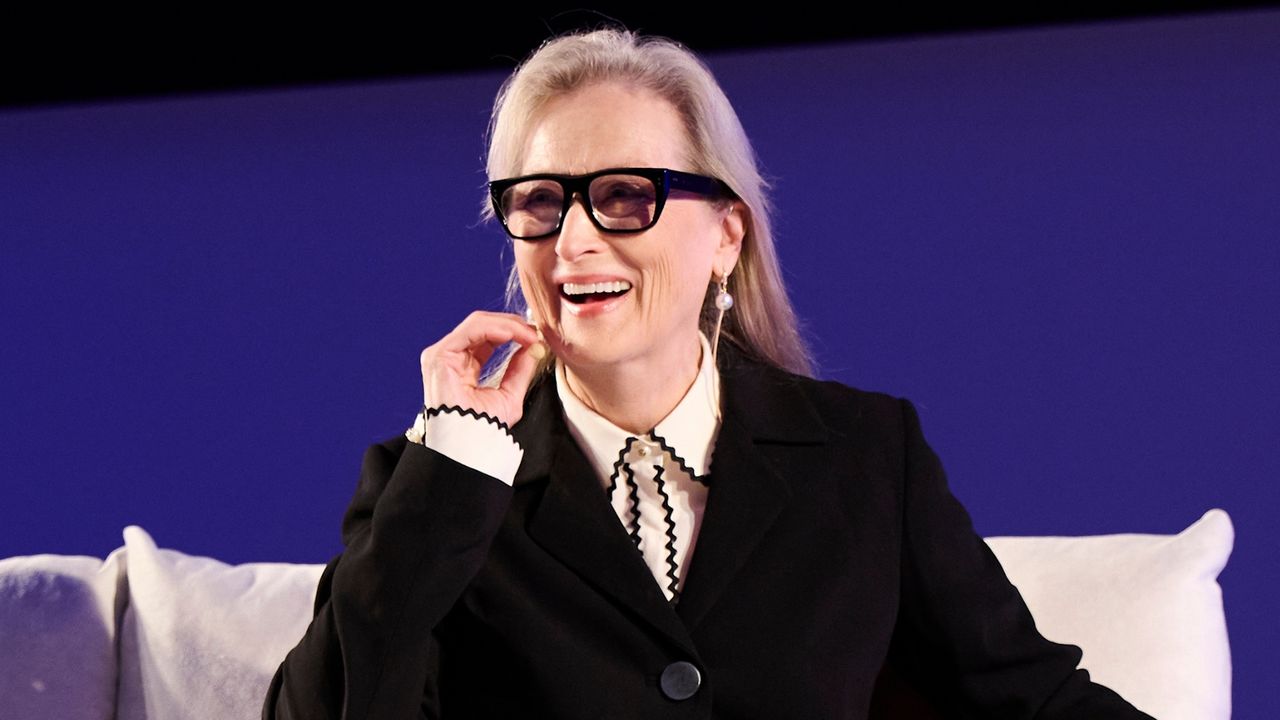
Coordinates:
580 351
593 339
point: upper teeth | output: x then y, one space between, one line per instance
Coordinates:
599 287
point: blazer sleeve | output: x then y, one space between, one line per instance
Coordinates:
964 632
415 534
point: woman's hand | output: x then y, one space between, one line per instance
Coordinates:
451 367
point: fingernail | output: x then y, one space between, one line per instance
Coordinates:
538 351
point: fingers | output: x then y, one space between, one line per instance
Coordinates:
489 331
451 367
470 345
521 369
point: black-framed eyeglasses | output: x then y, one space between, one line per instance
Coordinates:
618 200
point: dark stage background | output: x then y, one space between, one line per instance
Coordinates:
1060 242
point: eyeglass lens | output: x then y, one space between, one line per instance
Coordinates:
620 202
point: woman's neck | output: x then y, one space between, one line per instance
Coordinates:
637 395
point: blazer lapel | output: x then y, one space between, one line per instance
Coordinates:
574 522
750 483
764 413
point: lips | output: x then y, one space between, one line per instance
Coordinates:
580 293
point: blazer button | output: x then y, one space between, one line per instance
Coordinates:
680 680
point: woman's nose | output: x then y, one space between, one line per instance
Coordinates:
578 235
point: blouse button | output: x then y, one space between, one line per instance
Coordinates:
643 451
680 680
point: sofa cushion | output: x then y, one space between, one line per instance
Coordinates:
58 621
200 638
1145 609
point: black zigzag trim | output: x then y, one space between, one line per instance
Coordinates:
674 585
666 447
634 496
621 466
428 413
617 466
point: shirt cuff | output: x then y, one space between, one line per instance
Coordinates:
472 439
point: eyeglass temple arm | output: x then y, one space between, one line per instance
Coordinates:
688 182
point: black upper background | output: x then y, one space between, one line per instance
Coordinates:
74 57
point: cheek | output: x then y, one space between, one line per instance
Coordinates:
673 287
656 279
541 296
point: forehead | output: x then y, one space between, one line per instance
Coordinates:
602 126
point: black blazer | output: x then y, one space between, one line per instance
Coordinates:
831 556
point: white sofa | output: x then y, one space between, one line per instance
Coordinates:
157 634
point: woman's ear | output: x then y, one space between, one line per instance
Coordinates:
733 228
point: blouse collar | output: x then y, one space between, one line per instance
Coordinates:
689 430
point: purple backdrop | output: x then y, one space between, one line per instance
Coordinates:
1060 243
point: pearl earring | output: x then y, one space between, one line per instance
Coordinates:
724 301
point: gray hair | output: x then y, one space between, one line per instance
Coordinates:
762 321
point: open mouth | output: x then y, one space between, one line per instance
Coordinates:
585 293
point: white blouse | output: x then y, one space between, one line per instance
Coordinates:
656 482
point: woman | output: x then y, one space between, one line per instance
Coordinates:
668 519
